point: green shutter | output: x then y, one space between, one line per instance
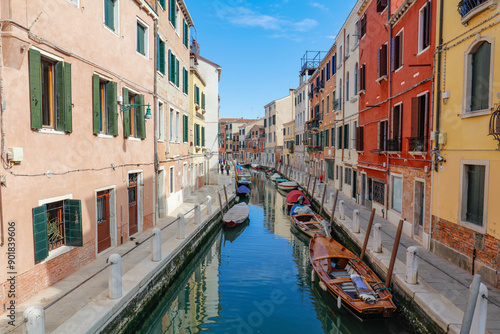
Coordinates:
73 222
59 95
196 94
197 134
186 128
161 57
35 89
162 4
141 47
109 14
172 13
112 107
171 66
40 233
139 115
177 72
203 101
68 106
96 95
333 137
203 136
126 115
186 81
186 34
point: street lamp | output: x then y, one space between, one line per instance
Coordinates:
127 107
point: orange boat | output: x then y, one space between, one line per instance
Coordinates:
351 280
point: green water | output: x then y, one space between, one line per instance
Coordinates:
255 279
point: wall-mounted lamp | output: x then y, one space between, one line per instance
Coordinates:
127 107
446 96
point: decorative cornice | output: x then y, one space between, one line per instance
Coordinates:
403 8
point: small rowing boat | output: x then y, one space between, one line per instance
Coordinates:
236 215
308 223
287 185
346 277
242 191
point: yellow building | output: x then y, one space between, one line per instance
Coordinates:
197 125
289 143
465 226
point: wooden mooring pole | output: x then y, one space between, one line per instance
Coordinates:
312 193
322 199
394 253
367 235
308 183
333 207
220 203
225 193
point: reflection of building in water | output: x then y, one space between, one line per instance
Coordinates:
197 302
276 219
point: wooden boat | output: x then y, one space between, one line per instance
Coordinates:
351 280
289 185
244 179
255 166
236 215
242 191
292 198
308 223
275 176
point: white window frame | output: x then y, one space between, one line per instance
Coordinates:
161 121
177 127
463 191
146 38
402 48
466 112
115 31
171 180
399 176
421 29
171 125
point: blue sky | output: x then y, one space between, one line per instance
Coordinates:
259 45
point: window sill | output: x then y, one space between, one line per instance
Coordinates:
492 4
415 153
101 135
142 55
472 226
362 91
52 131
382 78
468 114
116 33
161 74
423 50
57 252
133 139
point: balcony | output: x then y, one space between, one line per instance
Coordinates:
470 8
393 145
312 124
416 144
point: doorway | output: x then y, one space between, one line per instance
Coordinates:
103 221
133 226
354 184
418 209
369 194
161 194
363 189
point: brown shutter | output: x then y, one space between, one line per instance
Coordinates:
379 63
383 56
393 53
415 106
426 115
395 123
428 23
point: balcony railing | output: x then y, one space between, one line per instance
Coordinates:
416 144
465 6
393 145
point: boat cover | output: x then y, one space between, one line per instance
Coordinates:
363 291
281 180
293 196
243 190
275 176
237 213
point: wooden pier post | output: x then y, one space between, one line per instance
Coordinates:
394 253
333 208
220 203
308 183
225 193
367 235
312 193
322 199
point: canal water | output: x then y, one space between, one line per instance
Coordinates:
255 278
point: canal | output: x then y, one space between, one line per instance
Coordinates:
255 278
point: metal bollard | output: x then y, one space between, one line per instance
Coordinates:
209 205
35 320
197 214
115 277
377 238
355 221
480 312
341 210
411 265
156 245
181 234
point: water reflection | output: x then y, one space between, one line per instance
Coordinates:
254 279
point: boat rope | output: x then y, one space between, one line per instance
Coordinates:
384 288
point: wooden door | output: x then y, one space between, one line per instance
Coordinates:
418 209
132 206
103 223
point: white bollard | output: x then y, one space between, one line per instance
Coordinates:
156 245
412 265
209 205
35 320
181 227
332 198
115 277
479 320
377 238
197 213
355 221
342 210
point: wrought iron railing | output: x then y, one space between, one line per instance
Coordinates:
393 145
495 125
465 6
416 144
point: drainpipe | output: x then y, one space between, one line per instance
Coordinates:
1 220
155 121
389 86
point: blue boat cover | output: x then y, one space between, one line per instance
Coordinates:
243 190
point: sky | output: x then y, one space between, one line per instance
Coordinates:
259 45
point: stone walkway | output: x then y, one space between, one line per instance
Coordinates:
73 295
447 279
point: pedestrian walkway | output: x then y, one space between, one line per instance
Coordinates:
449 283
77 303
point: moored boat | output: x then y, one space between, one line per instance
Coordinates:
351 280
287 185
236 215
255 166
242 191
308 223
275 176
292 198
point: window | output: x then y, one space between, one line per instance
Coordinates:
356 76
104 106
330 169
163 4
57 224
161 55
360 138
274 119
50 93
347 45
328 73
333 137
394 143
111 14
161 121
186 34
322 107
473 192
339 139
197 135
172 180
419 112
424 27
362 78
173 13
381 5
382 136
478 77
347 86
142 38
378 191
334 64
173 68
328 104
382 61
133 119
346 136
396 193
185 81
196 95
265 123
172 126
397 52
203 101
362 26
327 138
348 176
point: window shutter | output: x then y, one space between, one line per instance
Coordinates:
415 106
172 12
203 136
197 134
96 103
126 115
185 128
427 36
186 81
346 136
333 138
35 89
112 106
177 72
59 95
379 63
393 53
203 101
395 123
340 138
68 106
40 236
73 222
379 142
161 57
170 66
139 115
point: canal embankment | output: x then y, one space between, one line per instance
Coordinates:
439 298
82 304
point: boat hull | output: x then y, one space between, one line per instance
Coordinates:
308 224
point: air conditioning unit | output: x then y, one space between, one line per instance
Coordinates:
15 154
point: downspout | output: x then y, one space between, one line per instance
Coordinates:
389 86
155 121
343 107
2 129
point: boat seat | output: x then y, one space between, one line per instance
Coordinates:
339 274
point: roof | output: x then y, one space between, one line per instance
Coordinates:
209 62
234 120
